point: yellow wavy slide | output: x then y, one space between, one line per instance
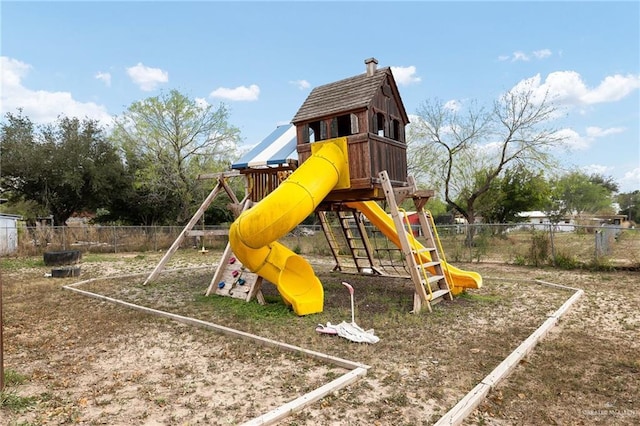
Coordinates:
380 219
253 236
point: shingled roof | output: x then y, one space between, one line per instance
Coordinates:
345 95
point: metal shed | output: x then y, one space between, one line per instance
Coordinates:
8 233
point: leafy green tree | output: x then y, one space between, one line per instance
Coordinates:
577 193
65 167
519 190
605 181
465 152
167 141
630 205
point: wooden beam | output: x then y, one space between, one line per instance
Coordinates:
176 244
229 191
298 404
208 233
330 359
219 175
473 399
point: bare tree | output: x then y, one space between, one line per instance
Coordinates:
463 152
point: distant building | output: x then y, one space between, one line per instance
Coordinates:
8 233
541 220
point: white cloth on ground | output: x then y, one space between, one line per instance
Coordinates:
350 331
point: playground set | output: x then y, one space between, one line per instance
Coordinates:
343 154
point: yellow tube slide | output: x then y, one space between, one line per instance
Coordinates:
381 220
253 236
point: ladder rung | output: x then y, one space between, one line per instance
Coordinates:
427 265
438 294
425 250
435 278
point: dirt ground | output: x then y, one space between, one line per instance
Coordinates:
71 359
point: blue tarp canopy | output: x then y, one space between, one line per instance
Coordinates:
279 148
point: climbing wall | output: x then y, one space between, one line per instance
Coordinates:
237 281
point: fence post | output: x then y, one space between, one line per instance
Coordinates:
469 242
115 239
553 247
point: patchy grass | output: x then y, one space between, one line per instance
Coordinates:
86 361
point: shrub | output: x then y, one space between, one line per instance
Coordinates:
520 260
566 261
539 249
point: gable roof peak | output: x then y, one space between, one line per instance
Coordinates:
348 94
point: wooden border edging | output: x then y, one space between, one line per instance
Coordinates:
307 399
455 416
340 362
357 370
472 400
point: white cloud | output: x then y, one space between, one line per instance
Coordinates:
240 93
596 169
201 102
630 181
105 77
567 87
598 132
405 76
13 71
573 141
40 106
612 88
492 148
147 78
453 105
541 54
519 55
301 84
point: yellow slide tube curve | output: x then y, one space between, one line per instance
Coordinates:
381 220
253 236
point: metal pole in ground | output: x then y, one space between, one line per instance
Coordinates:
1 339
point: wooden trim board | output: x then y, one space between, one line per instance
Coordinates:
473 399
356 370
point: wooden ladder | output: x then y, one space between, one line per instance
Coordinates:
430 288
355 235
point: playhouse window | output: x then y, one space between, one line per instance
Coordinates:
395 130
317 131
344 125
380 124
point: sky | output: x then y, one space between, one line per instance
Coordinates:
261 59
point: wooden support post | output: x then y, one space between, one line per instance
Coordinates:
176 244
420 291
222 184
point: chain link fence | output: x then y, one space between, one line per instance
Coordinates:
520 244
